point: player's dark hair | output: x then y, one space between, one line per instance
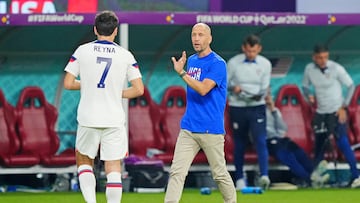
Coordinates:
252 40
106 22
320 48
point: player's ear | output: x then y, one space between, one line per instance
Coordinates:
115 31
95 31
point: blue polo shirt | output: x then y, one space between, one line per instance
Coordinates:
205 114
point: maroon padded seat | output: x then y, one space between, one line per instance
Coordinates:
10 155
354 120
229 141
172 107
36 122
144 125
297 114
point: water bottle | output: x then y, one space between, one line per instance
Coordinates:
205 191
74 184
2 189
252 190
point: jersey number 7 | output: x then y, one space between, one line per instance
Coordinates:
108 62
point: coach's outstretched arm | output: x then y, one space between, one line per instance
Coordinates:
202 87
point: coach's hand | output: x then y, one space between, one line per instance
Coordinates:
311 99
179 64
236 89
341 113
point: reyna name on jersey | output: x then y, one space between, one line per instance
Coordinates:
103 49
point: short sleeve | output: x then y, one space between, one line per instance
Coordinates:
133 69
73 66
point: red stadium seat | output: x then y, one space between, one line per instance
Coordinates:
173 106
229 142
9 141
144 125
297 114
354 120
36 122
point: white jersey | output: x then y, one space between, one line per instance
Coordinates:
103 67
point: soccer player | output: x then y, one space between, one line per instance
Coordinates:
327 78
103 67
202 126
248 80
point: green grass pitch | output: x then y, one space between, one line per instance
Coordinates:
194 196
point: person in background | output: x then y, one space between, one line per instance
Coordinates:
202 125
327 79
248 79
103 67
288 152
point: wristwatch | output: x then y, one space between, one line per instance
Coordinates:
182 74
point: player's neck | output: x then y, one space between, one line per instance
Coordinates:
106 38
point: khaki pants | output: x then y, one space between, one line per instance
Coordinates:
187 146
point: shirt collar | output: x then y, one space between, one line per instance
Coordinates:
323 70
103 42
249 61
